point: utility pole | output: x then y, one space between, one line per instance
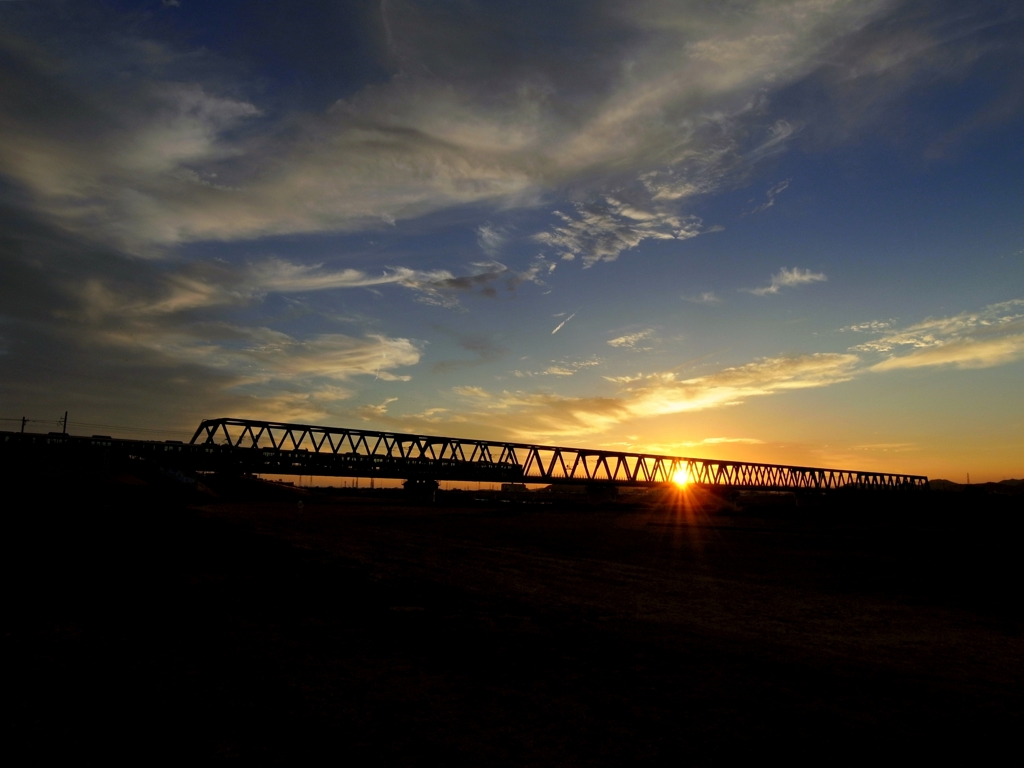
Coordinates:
64 429
23 420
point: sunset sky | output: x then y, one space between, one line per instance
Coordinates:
789 232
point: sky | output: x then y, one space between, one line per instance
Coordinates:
779 231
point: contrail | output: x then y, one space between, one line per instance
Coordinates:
570 317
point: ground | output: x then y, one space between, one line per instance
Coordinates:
147 621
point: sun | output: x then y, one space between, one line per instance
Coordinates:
681 477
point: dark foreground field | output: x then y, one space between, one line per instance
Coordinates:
371 631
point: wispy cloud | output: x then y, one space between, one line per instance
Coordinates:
885 447
707 297
370 411
993 336
663 393
195 285
772 193
873 326
547 415
719 440
630 340
962 353
560 368
177 157
679 448
490 238
176 320
263 355
788 278
601 231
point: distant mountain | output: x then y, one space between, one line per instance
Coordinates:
1003 486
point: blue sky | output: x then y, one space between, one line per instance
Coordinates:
778 231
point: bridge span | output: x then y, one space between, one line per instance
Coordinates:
278 448
363 453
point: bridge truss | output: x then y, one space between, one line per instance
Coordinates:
284 448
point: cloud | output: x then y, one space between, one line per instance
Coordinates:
369 412
481 345
964 353
681 448
630 340
999 318
601 231
169 372
788 278
146 145
182 318
718 440
265 356
434 286
990 337
560 368
172 151
778 133
707 297
993 336
543 415
886 447
660 394
299 403
873 326
198 284
171 338
490 238
627 379
772 193
475 392
115 146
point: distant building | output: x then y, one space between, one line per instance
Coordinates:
512 487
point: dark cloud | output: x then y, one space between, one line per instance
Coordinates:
885 76
535 99
484 346
124 340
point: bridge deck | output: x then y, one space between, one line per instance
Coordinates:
537 463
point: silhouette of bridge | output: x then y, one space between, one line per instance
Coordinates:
278 448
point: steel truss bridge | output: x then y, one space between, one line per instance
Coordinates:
275 448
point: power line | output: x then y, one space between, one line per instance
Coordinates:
102 426
131 429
